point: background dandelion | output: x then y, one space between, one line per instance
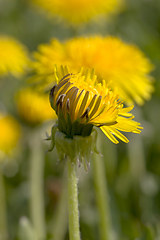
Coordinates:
14 56
10 133
33 107
79 11
123 66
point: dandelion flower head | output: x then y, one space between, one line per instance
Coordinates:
33 107
14 57
9 133
81 102
77 11
123 66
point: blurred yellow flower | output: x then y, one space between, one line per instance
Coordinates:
33 107
9 133
13 57
81 102
123 66
78 11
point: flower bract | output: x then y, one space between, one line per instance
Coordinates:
76 148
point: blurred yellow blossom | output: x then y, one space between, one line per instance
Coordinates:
33 107
13 57
122 65
9 133
77 11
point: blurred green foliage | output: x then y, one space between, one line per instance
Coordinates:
134 195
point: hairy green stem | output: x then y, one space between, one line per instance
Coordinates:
136 153
36 186
3 214
73 201
136 158
102 197
60 219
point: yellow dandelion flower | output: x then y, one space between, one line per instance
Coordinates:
78 11
33 107
81 102
14 57
123 66
9 133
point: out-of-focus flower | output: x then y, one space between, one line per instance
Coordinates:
77 11
81 102
13 57
33 107
9 133
123 66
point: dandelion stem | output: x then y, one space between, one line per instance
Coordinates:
60 220
36 186
73 201
101 192
136 158
136 153
3 217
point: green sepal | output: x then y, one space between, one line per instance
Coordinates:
74 127
86 130
76 148
83 147
81 129
68 124
47 137
52 137
65 146
61 121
